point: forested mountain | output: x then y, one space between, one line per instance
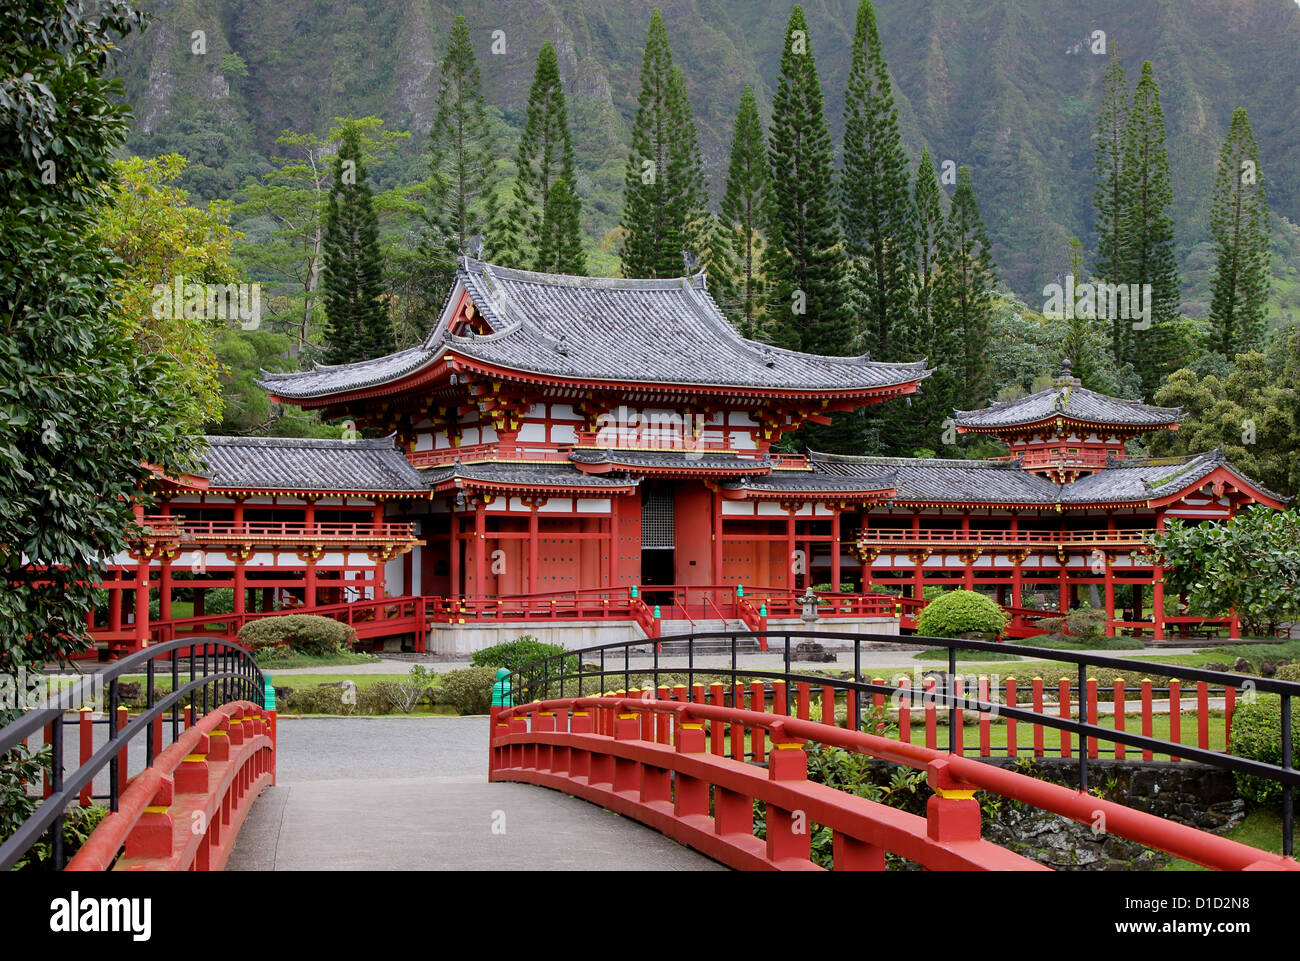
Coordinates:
1009 88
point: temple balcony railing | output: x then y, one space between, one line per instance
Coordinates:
1032 539
1059 459
179 530
480 453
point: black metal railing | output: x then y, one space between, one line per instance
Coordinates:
207 673
567 675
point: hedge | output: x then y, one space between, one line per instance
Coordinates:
521 652
468 690
1257 734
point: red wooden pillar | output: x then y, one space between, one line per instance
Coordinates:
309 592
613 542
792 577
533 580
165 589
866 564
835 550
142 602
240 589
1158 592
1017 560
480 548
968 570
918 561
716 575
455 553
240 592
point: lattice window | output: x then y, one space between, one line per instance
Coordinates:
657 518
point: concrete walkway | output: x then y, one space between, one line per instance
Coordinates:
408 794
770 661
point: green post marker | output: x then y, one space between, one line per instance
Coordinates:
268 694
501 689
656 612
635 595
740 590
762 609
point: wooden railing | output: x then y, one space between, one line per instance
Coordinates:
477 453
168 526
982 536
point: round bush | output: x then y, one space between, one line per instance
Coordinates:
1257 734
520 653
960 612
468 690
305 633
1288 672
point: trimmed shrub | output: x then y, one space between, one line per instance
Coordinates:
322 699
468 690
960 612
519 653
378 698
1288 672
1257 734
308 634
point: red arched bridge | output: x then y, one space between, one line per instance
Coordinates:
688 746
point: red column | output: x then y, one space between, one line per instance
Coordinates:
115 606
793 580
165 589
240 591
1158 592
142 602
455 553
480 548
613 542
835 549
866 564
533 580
716 576
309 594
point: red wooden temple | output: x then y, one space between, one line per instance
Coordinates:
602 450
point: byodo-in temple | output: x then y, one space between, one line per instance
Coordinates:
589 457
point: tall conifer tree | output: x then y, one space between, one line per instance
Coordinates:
742 213
1148 229
926 336
545 156
1108 175
875 207
803 259
462 154
664 196
1239 226
965 279
358 323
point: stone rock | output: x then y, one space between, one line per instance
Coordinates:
1243 666
128 690
1217 666
282 694
810 651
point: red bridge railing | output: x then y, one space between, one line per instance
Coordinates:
566 682
650 759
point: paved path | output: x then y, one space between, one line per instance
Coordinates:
412 794
771 661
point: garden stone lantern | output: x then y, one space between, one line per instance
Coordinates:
809 602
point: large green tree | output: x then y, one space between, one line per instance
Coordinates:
1148 229
83 412
664 195
804 259
545 156
1239 227
359 325
1252 413
462 151
875 207
965 281
1250 566
742 214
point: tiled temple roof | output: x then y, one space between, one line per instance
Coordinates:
942 480
1069 401
665 331
312 464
